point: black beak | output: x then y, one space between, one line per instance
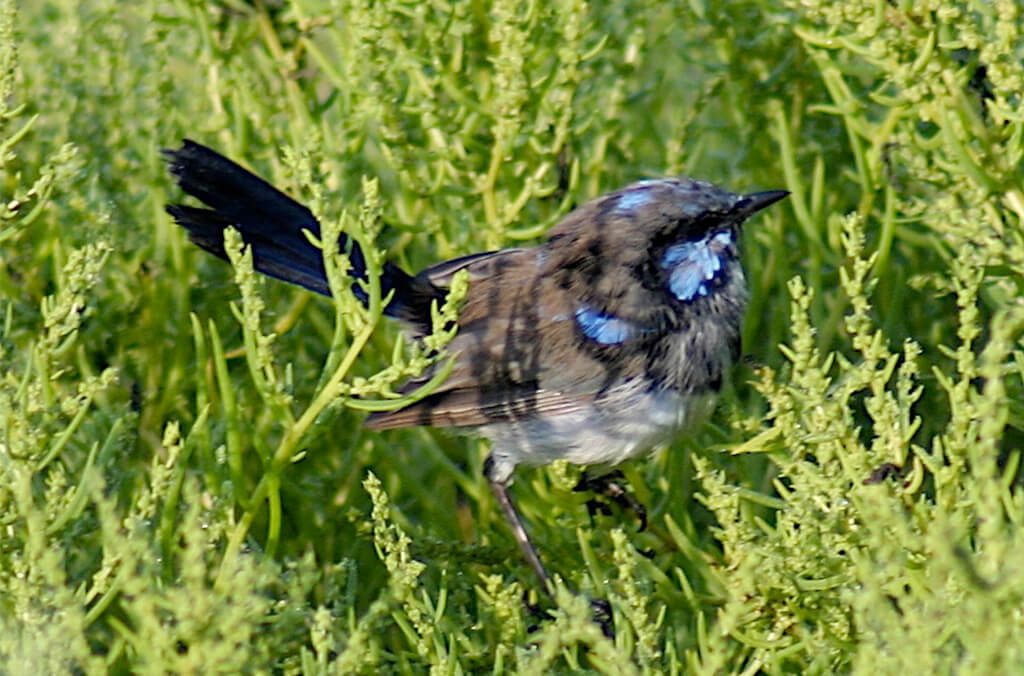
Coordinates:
751 204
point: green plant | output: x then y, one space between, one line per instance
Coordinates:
184 484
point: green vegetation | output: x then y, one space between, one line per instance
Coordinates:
184 483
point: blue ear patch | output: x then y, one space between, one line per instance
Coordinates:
691 266
604 328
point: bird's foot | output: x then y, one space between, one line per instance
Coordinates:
611 486
600 609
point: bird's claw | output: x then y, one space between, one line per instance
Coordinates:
613 487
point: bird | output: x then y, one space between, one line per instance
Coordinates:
597 345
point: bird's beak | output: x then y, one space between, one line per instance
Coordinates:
754 202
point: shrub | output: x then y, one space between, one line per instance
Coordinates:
185 488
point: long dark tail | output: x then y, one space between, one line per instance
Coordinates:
272 224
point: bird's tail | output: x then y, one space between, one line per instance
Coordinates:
272 224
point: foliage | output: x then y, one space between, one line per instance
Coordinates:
184 483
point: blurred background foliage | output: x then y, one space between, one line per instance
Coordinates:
181 490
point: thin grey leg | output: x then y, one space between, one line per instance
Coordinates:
519 531
601 608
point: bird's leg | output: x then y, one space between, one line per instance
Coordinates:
612 486
602 611
499 481
500 489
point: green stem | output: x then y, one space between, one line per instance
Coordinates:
274 507
270 481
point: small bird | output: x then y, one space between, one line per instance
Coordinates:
595 346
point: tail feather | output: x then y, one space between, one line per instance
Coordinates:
205 229
272 224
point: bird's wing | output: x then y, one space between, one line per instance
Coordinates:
522 350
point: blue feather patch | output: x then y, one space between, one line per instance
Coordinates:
692 265
604 328
637 197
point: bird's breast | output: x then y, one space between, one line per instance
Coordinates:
630 420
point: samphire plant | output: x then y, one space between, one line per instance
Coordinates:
184 484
